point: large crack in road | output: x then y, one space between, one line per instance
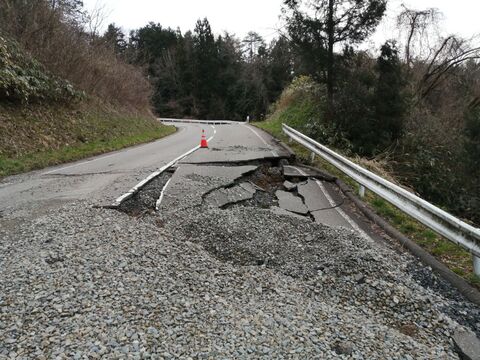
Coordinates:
249 183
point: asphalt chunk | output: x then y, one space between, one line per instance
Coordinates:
231 195
290 202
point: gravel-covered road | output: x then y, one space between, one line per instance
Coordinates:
220 272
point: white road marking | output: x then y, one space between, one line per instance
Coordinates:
160 199
274 153
93 160
332 203
79 164
347 218
141 184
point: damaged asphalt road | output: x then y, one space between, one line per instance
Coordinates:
245 258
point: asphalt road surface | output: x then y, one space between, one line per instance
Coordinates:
104 178
235 252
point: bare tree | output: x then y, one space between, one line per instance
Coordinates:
450 54
433 55
95 19
418 25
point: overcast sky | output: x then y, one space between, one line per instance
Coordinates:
262 16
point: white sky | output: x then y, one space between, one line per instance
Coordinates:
262 16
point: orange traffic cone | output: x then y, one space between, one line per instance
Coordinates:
203 143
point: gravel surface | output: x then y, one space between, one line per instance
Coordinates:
146 199
200 282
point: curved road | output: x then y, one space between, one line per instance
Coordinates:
104 178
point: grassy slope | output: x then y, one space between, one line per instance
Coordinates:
36 136
45 121
454 256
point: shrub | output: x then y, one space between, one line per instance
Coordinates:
24 79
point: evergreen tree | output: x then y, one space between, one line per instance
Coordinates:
316 26
114 38
280 68
151 41
206 69
253 45
472 142
390 99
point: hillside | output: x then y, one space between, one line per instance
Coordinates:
45 120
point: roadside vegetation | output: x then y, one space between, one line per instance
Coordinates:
414 109
42 135
64 93
408 111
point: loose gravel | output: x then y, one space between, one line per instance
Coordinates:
146 200
200 282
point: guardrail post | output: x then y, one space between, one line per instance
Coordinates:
312 157
361 191
476 265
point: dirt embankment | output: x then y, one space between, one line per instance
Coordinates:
35 136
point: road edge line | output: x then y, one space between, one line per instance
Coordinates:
151 177
162 194
274 153
339 210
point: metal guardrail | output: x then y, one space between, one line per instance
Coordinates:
435 218
192 121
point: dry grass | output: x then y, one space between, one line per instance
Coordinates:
378 166
58 40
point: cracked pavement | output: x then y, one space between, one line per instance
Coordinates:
228 268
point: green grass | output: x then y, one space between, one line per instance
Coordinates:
296 114
452 255
38 136
39 160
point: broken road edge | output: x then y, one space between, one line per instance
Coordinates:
467 290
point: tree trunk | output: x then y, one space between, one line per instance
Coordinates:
330 60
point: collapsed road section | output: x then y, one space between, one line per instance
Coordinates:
232 253
277 216
267 183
